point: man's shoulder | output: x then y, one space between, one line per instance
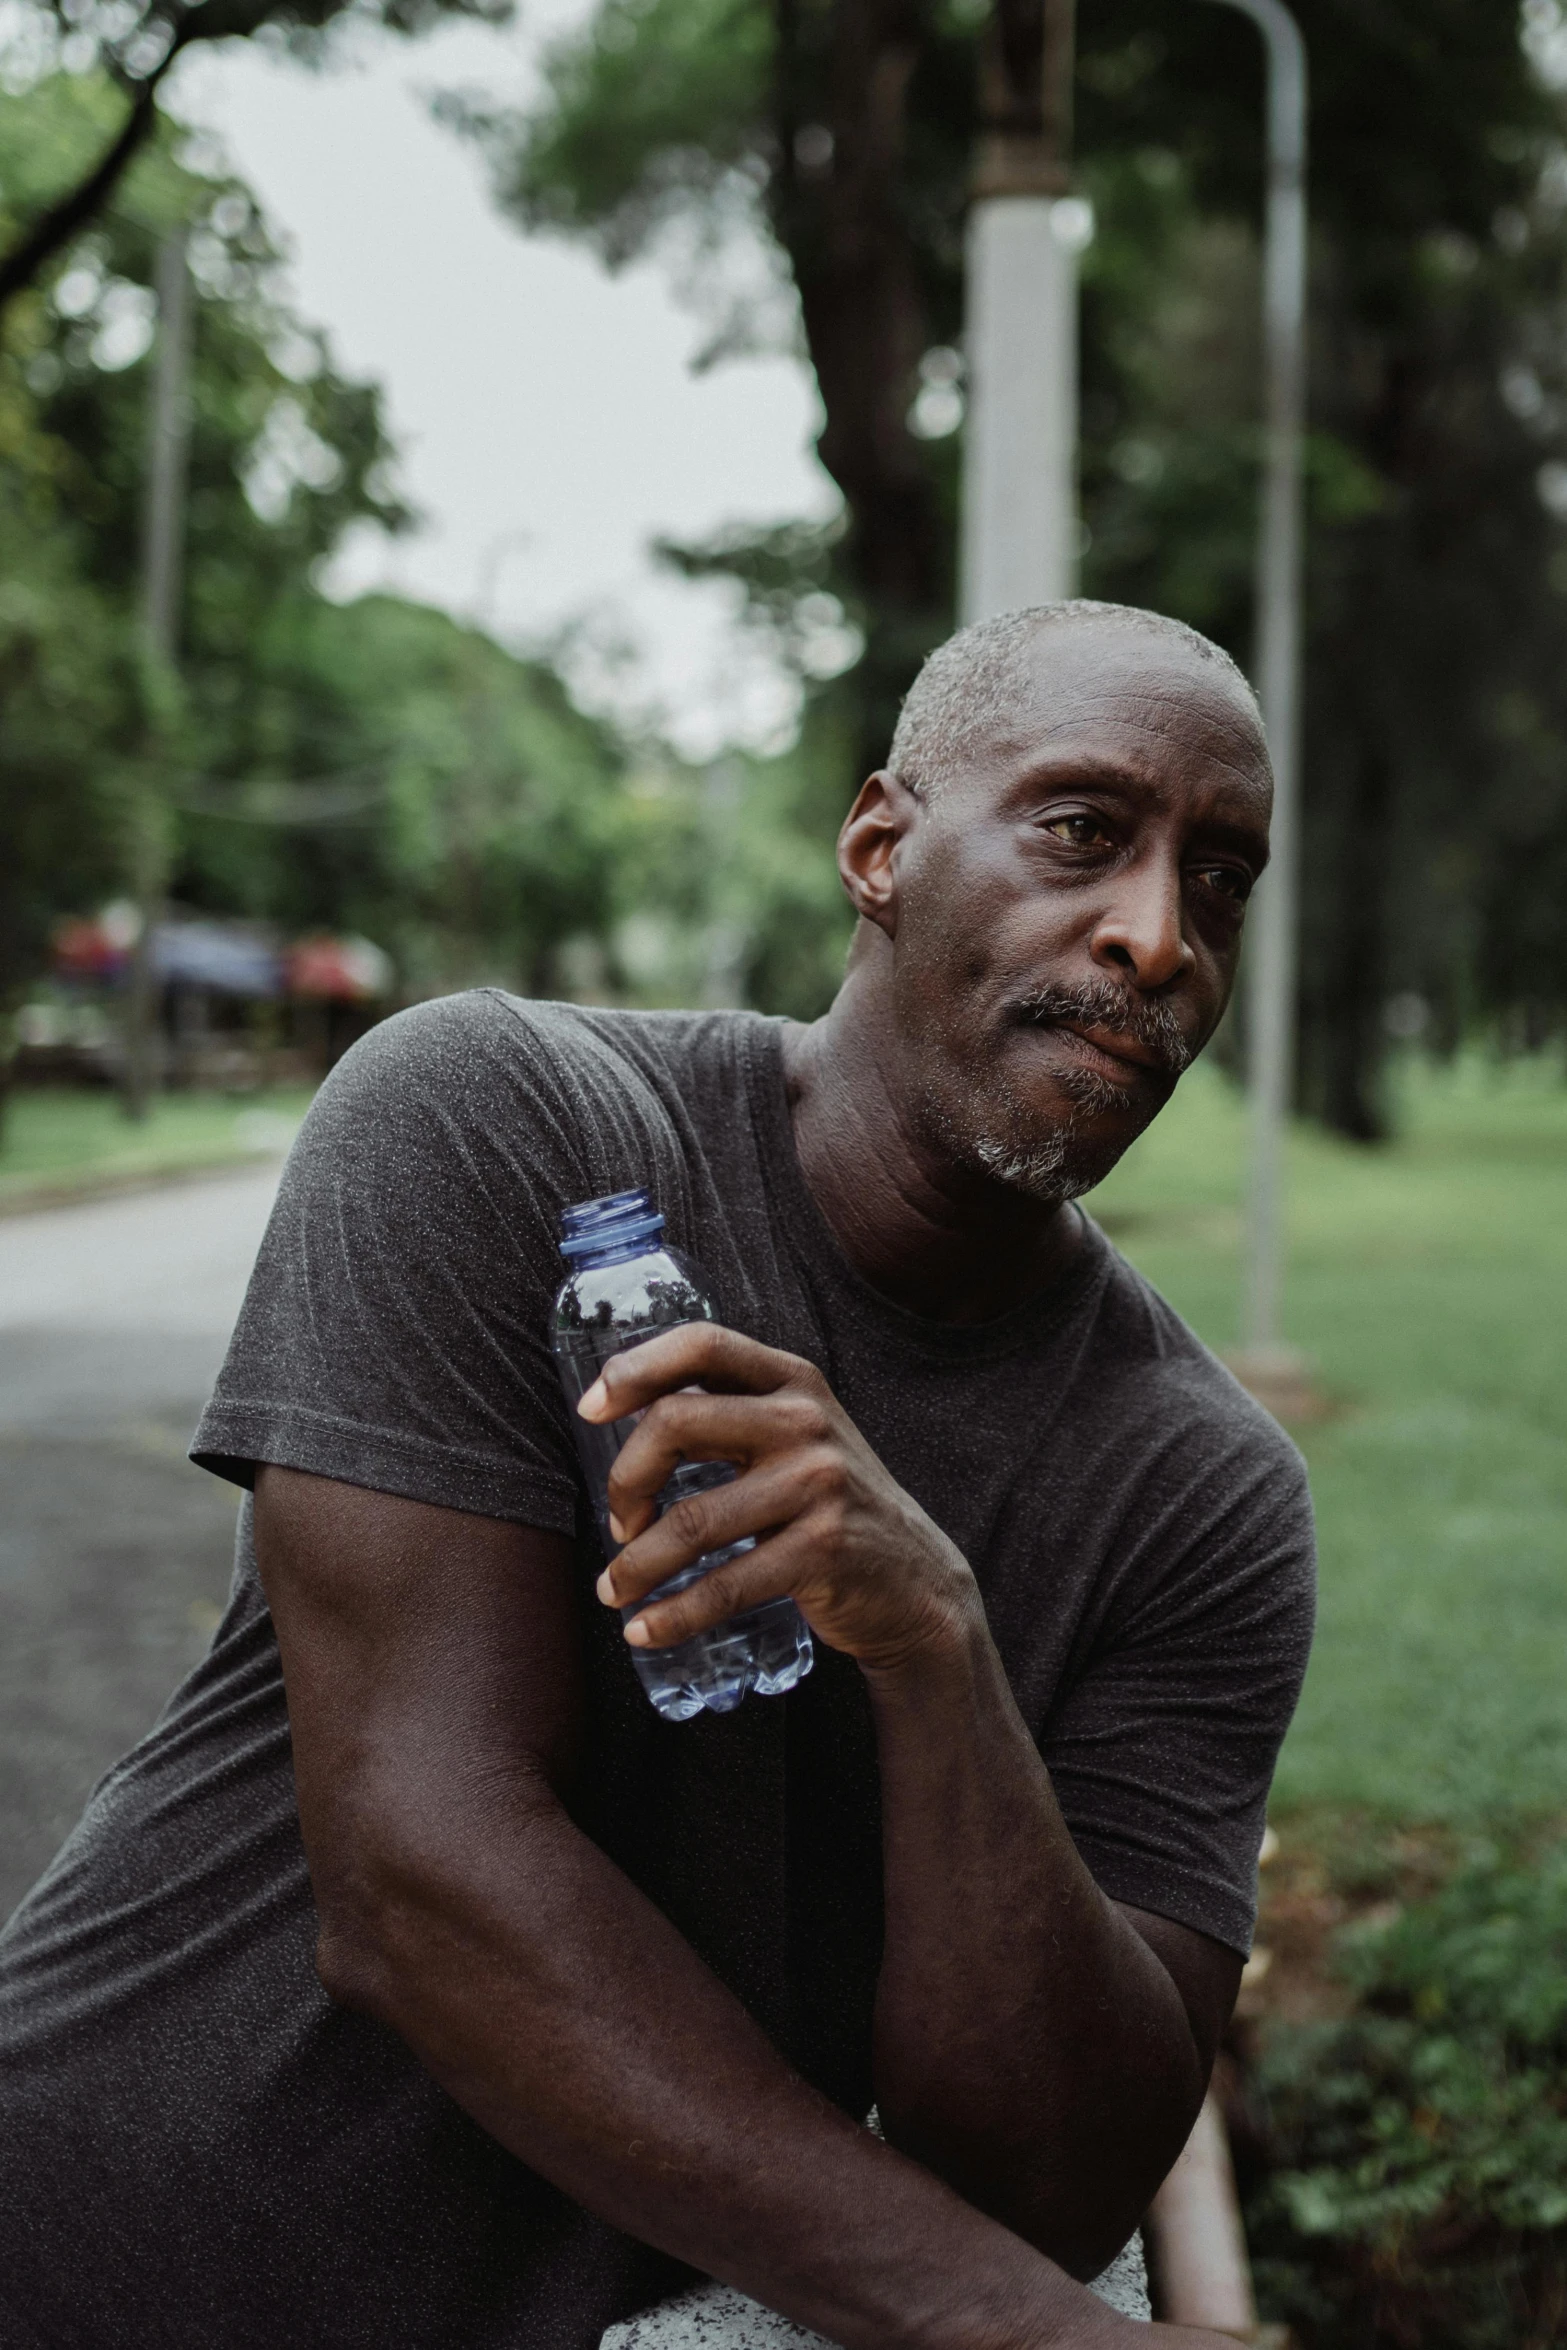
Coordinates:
1151 1367
453 1035
485 1046
503 1091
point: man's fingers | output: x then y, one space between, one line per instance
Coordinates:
697 1427
755 1504
768 1572
701 1353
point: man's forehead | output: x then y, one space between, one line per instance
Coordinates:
1130 696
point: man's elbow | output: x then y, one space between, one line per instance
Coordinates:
1074 2174
352 1966
369 1932
400 1897
405 1871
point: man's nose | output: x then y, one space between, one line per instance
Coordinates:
1141 935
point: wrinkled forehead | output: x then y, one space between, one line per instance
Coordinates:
1130 698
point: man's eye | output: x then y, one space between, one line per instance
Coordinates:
1228 880
1080 832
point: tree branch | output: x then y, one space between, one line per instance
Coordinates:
58 225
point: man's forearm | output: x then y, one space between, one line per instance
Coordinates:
1028 2044
566 2015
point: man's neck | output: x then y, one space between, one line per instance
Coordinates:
940 1240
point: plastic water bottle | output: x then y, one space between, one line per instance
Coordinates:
626 1286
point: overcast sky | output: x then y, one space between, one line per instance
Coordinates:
549 421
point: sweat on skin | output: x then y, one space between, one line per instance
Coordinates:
487 2000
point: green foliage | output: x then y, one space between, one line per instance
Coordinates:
440 794
377 767
648 112
466 813
131 45
723 889
284 454
132 40
1421 2143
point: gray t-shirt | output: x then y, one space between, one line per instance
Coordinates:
195 2146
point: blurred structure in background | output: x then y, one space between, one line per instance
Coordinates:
229 1006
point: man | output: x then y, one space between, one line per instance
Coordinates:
570 1995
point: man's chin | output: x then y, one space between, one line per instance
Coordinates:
1053 1173
1060 1159
1052 1149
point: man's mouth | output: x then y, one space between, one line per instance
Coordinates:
1107 1044
1120 1040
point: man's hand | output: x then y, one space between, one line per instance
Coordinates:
869 1571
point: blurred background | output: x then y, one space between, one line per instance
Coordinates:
473 489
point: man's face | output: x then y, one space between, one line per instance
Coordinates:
1066 913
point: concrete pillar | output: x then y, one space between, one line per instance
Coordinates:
1200 2255
1020 524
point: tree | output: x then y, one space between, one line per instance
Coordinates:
469 818
285 453
1437 830
376 767
133 44
1440 269
851 123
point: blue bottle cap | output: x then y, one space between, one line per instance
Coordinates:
622 1220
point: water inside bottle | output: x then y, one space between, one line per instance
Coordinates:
768 1649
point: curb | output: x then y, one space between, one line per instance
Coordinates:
32 1198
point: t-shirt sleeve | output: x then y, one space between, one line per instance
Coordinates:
1163 1750
396 1329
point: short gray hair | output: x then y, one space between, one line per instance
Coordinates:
979 678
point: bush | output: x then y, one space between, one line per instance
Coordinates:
1418 2193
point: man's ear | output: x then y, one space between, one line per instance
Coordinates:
885 810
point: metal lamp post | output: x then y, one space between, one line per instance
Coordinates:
1265 1362
162 567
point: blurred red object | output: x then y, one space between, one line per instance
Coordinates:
337 970
92 946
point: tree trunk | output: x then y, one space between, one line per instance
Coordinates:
1353 1044
841 213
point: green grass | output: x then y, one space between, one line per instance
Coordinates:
1428 1280
57 1139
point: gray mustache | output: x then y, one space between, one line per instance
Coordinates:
1150 1023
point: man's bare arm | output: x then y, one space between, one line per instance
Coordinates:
433 1699
1043 2050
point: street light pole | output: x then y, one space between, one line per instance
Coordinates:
162 568
1265 1361
168 450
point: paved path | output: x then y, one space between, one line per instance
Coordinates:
114 1552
